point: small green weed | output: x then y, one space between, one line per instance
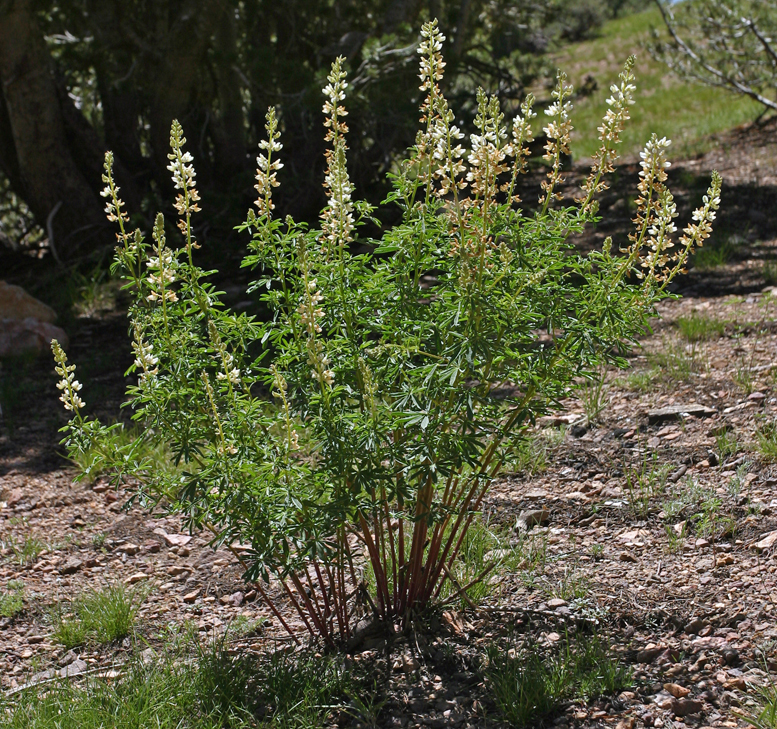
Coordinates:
727 445
765 716
675 539
674 363
699 328
527 687
484 551
28 551
593 393
102 616
644 483
597 551
737 481
702 509
12 599
766 436
572 584
530 455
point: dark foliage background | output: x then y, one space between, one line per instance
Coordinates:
82 76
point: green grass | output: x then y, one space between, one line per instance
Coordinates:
672 363
727 445
594 396
700 328
527 687
765 716
99 616
644 483
641 380
682 111
530 454
25 552
766 436
485 550
12 599
192 688
96 461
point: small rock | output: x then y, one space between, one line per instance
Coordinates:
129 549
679 692
723 560
71 566
648 655
137 577
694 626
767 541
738 682
152 546
626 557
173 540
557 602
75 668
529 519
410 664
627 723
190 597
756 397
554 637
177 569
675 476
17 304
686 707
236 598
28 336
678 412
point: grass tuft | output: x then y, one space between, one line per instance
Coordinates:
103 616
644 483
528 688
766 436
698 328
12 599
216 690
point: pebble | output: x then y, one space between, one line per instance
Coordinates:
679 692
71 566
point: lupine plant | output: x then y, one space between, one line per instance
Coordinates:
350 438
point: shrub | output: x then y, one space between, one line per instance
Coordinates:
402 370
723 43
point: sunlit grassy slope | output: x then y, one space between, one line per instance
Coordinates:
684 112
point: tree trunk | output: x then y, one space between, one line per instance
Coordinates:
230 137
35 139
180 68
